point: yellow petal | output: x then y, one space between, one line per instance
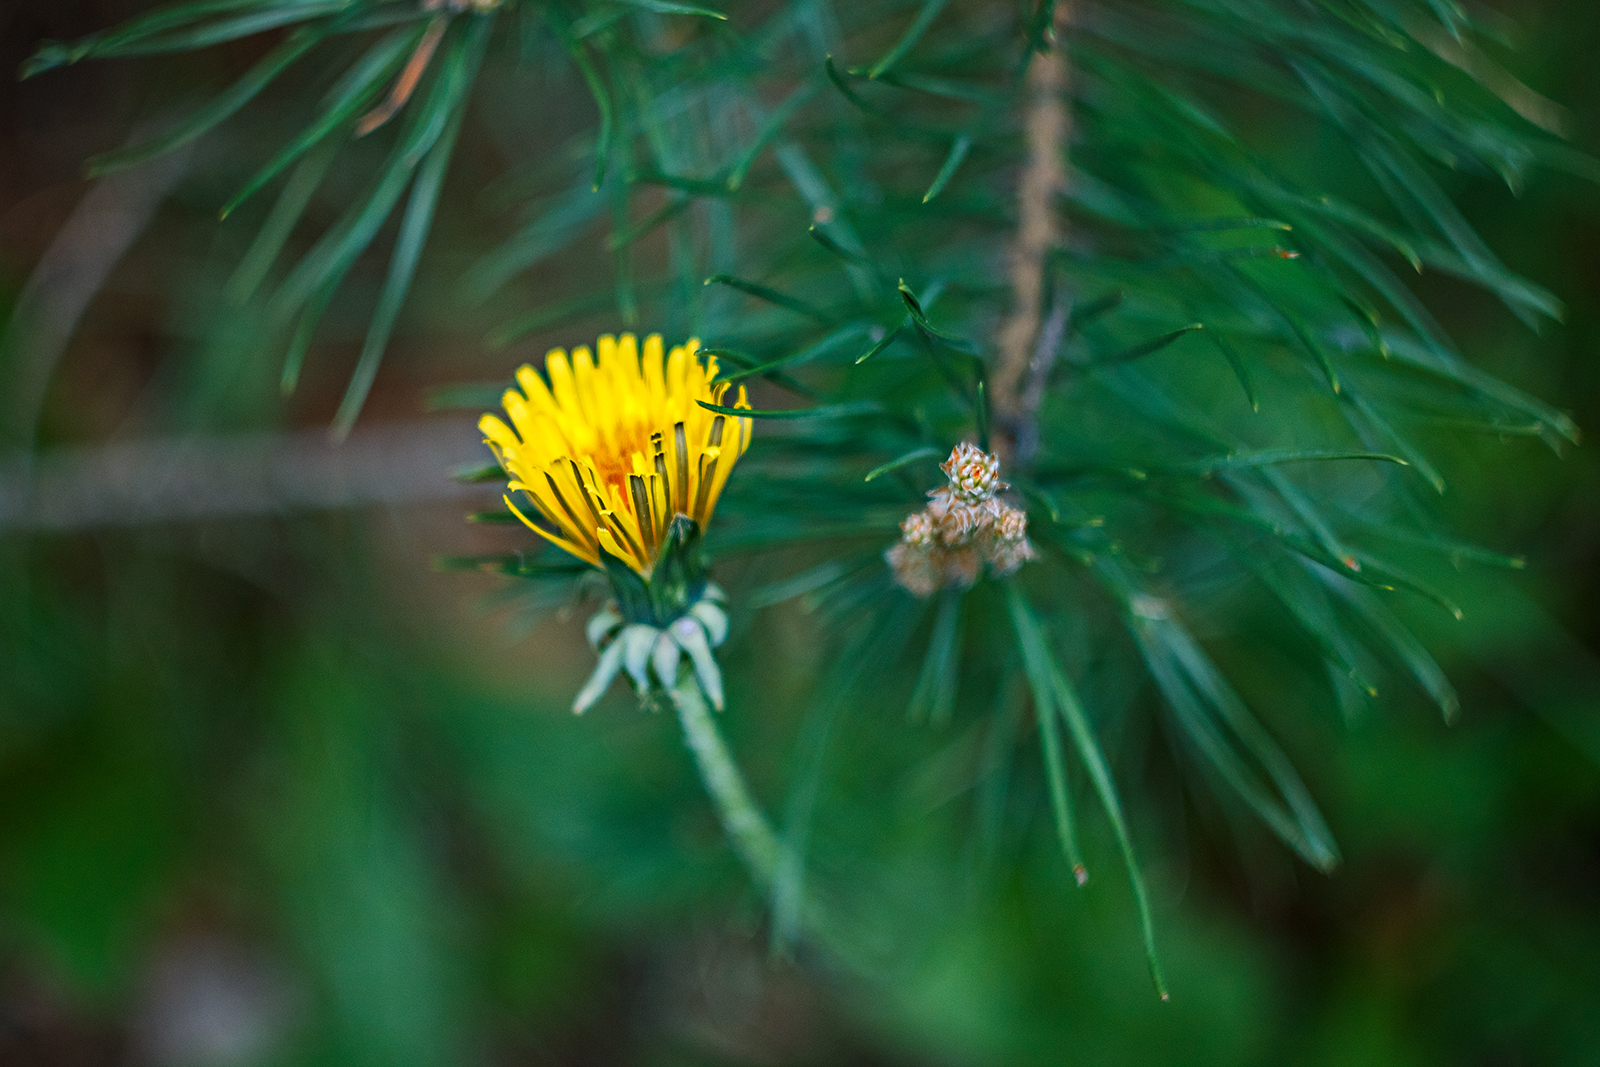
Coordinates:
574 438
587 555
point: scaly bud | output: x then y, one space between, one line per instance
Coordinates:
919 528
974 474
964 526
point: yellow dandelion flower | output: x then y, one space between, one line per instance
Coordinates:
614 447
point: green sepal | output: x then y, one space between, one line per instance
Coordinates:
676 582
678 578
633 595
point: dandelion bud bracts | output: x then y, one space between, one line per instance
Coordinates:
654 655
964 527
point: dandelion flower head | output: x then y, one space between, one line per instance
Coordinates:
616 444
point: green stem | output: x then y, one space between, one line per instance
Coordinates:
741 818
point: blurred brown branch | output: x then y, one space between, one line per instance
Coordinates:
102 228
1047 124
181 479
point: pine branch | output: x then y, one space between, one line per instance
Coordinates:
1016 383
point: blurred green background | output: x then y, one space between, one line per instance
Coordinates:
273 790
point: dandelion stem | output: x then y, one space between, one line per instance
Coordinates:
743 821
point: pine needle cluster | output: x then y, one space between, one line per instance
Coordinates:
1064 232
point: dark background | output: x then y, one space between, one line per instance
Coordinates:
274 791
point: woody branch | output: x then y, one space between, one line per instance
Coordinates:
1026 346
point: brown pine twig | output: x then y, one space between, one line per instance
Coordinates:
1016 385
406 84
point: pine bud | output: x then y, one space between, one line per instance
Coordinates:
1012 524
974 474
916 568
919 528
964 527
